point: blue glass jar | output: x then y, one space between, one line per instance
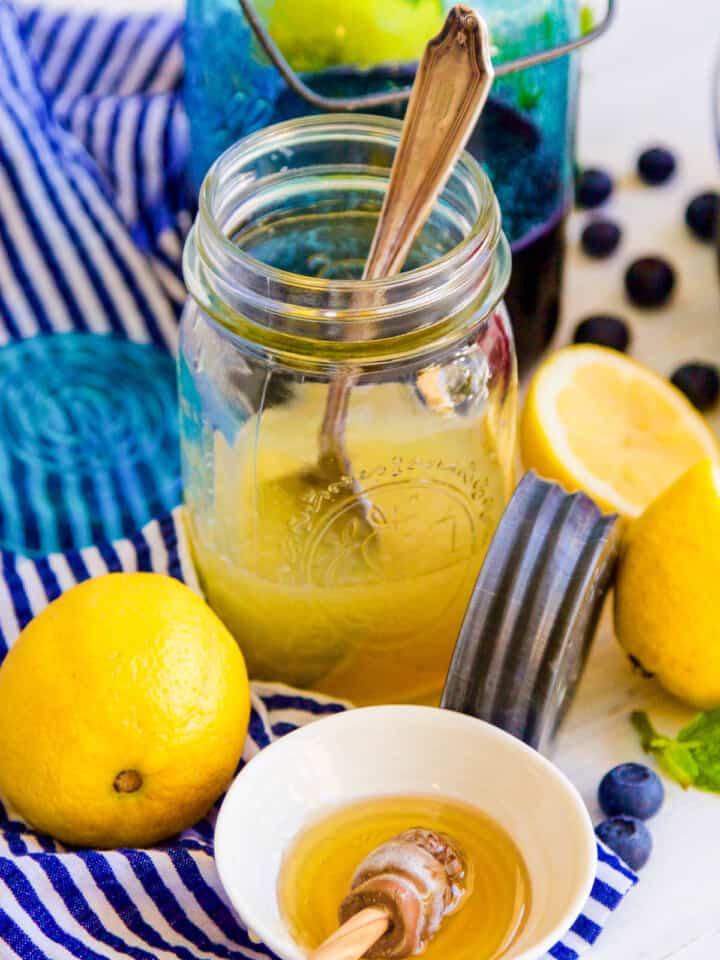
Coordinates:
344 48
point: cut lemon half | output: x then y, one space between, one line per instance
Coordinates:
597 421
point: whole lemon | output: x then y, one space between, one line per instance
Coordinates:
124 707
316 34
667 593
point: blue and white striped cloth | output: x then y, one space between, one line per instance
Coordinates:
92 147
93 212
93 215
58 904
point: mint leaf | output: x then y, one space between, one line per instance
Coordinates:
702 738
693 758
587 19
650 739
529 93
680 764
705 727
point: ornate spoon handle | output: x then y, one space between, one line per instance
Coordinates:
450 90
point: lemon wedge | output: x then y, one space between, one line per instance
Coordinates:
597 421
667 605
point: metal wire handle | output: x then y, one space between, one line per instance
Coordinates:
374 100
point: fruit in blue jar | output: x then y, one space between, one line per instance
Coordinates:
656 165
593 187
605 330
631 789
701 215
649 282
699 382
317 34
600 238
628 837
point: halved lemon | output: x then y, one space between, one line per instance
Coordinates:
597 421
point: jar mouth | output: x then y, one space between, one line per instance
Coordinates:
238 288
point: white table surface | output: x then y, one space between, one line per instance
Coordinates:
647 81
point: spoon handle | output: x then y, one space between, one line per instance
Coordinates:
451 86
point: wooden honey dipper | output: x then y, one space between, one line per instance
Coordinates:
400 894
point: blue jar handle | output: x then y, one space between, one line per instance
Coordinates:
533 612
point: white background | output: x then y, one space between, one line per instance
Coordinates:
647 81
650 80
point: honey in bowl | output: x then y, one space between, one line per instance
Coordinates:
318 869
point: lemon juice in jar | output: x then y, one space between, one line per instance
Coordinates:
356 587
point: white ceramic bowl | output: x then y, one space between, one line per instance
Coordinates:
404 749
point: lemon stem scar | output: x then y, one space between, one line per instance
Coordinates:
127 781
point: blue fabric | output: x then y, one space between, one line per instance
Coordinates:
93 211
93 142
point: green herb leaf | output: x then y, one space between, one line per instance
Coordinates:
678 762
705 727
693 759
587 19
648 733
529 93
702 737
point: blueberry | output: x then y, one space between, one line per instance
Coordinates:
656 165
649 281
699 382
593 187
628 837
604 330
600 238
632 789
701 215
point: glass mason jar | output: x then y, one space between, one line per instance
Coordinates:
525 138
355 585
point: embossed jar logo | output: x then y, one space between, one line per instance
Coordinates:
412 538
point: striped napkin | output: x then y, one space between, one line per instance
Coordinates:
93 212
57 904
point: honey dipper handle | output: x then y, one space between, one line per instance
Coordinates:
355 937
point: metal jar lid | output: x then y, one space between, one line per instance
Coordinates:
533 612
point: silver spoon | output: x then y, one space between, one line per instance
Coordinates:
450 89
